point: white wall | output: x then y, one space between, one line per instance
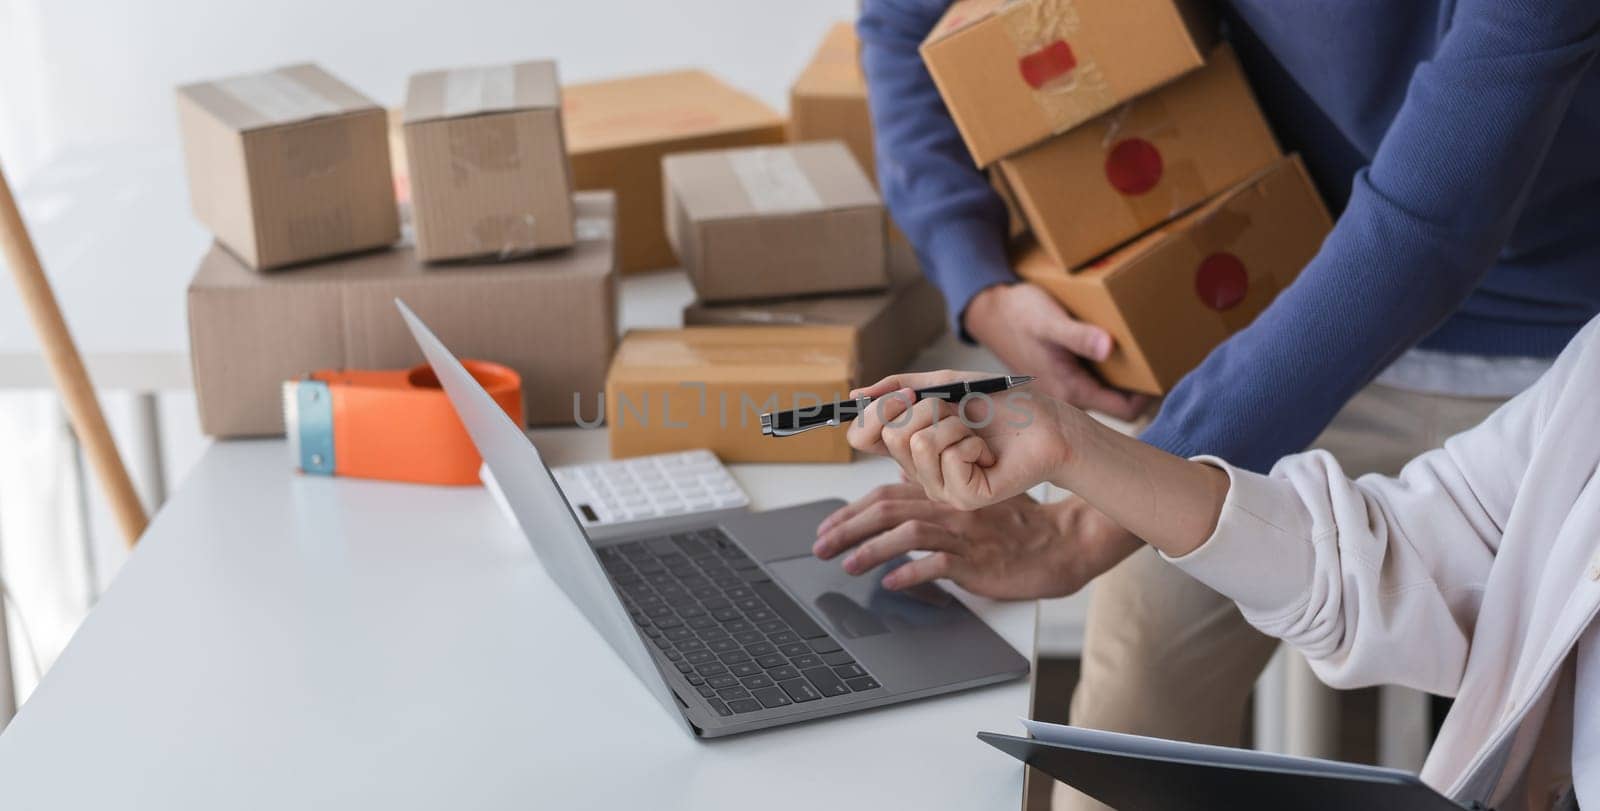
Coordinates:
93 72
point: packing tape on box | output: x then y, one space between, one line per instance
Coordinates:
277 97
472 90
1153 187
505 235
593 229
1067 82
774 181
664 352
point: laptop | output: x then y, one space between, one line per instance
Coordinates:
733 626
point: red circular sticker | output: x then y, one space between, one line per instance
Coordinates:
1133 166
1221 281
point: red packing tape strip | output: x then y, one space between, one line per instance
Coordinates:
1050 62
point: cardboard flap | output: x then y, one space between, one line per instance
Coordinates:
460 92
657 107
755 181
286 95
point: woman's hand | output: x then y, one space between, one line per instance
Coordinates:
973 453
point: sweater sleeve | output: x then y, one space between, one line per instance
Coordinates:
1378 580
1425 222
945 206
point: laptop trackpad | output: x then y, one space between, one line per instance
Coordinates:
858 607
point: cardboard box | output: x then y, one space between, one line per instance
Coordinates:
551 318
890 328
828 101
288 165
775 221
1015 72
487 162
1169 297
706 387
1089 190
618 131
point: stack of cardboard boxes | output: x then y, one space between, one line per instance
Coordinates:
1159 205
801 292
290 169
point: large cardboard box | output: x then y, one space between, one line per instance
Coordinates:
706 387
487 162
775 221
1015 72
288 165
618 130
828 101
890 328
1089 190
1169 297
552 318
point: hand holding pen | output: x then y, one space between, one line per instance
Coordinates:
789 423
970 453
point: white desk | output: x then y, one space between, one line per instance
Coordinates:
285 642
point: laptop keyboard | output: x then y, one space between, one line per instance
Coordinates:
734 634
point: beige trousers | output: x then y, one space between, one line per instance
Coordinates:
1168 657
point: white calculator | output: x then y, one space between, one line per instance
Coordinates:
632 493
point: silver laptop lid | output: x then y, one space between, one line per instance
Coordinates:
542 512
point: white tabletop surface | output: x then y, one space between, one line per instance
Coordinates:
287 642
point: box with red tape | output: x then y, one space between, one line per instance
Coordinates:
1015 72
1089 190
1171 296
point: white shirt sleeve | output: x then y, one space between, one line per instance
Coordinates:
1377 580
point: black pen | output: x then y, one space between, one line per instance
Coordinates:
789 423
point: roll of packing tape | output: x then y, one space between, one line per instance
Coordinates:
393 425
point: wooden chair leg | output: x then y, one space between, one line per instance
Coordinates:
66 367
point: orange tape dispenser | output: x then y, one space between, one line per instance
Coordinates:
395 425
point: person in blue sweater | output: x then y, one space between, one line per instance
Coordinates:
1458 142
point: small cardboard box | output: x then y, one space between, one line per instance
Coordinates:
1169 297
487 163
1015 72
828 101
706 387
618 130
288 165
770 222
1089 190
552 318
890 328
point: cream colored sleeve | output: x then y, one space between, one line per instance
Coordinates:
1379 579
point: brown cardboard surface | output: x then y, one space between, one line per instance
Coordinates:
890 328
1169 297
1099 185
776 221
551 318
1014 73
287 166
706 387
619 129
487 163
828 100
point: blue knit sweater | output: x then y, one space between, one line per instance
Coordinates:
1457 142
